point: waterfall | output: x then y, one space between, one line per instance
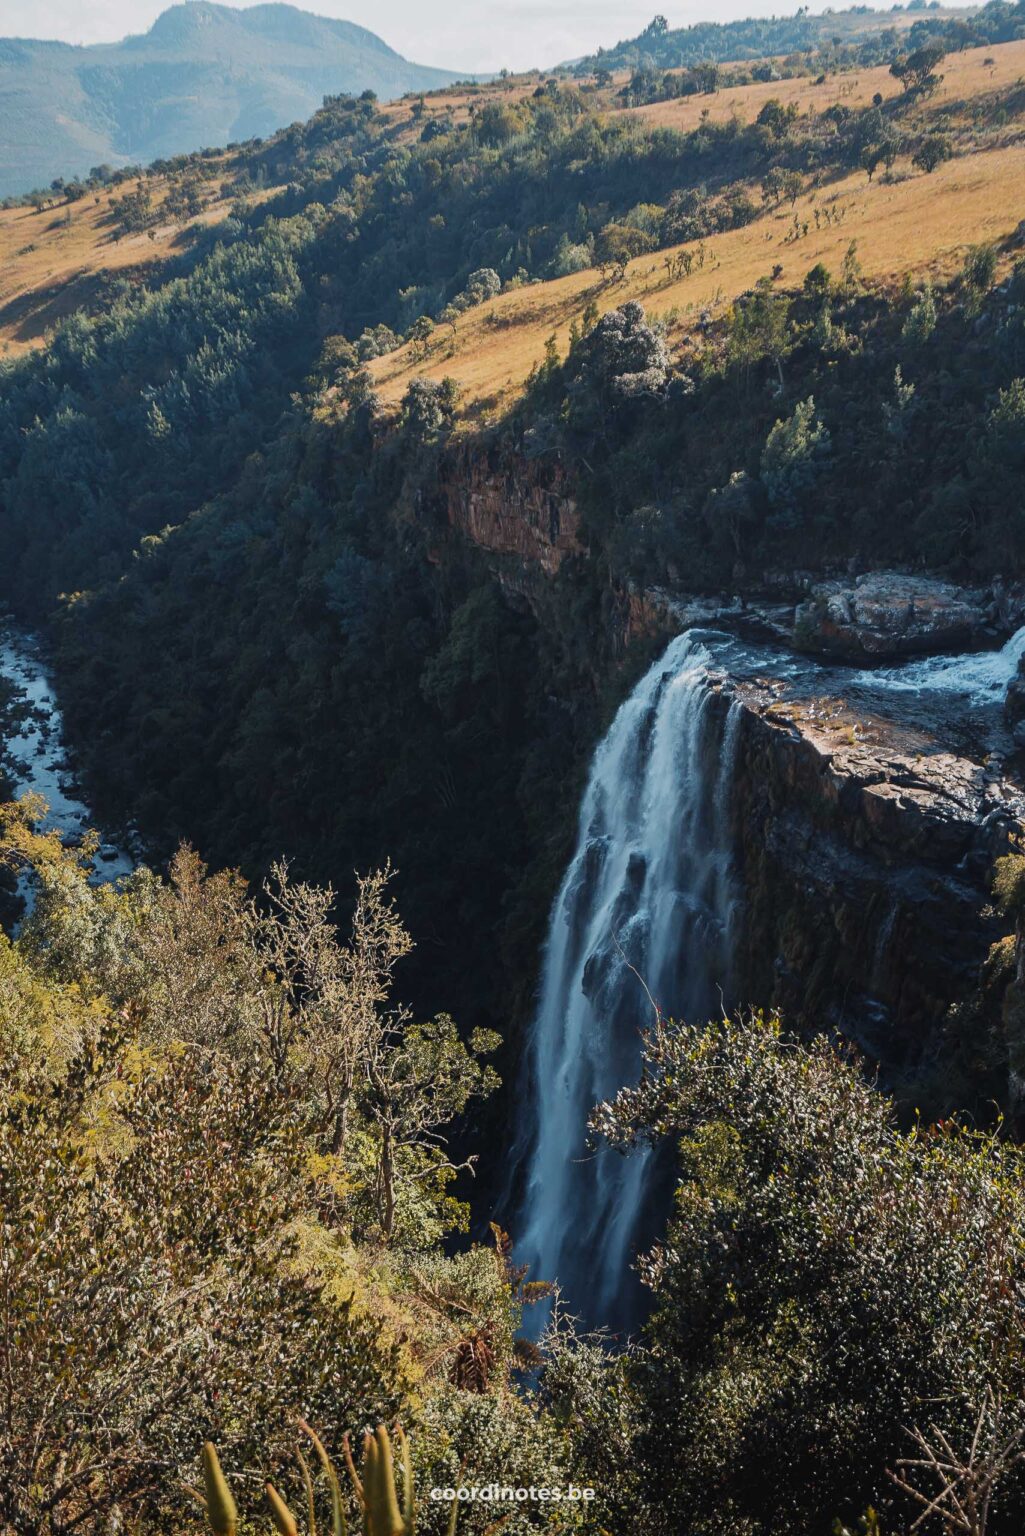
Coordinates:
648 898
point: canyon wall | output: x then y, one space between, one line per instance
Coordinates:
864 848
509 505
865 853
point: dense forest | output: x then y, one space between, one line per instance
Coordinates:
248 1082
241 533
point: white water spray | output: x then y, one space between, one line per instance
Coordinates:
648 895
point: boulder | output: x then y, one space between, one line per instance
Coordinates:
887 614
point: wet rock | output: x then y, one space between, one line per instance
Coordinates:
887 614
656 610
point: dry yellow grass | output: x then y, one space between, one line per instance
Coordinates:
964 75
921 225
49 267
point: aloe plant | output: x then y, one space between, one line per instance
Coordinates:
220 1506
374 1486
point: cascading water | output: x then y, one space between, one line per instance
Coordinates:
646 907
982 676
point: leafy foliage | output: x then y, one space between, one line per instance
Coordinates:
827 1282
217 1138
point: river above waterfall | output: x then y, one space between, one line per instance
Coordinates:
34 753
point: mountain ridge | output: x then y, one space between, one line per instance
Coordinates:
202 74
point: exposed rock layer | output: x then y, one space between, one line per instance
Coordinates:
519 507
865 853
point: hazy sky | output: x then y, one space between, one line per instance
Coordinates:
459 34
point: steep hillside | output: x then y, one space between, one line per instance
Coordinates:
203 74
920 227
239 467
78 252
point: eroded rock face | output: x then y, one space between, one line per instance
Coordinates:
865 854
513 506
888 615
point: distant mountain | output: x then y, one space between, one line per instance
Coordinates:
202 75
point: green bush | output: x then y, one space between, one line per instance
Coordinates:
828 1282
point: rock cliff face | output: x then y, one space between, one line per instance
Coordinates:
512 506
865 852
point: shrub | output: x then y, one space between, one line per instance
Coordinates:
932 152
828 1282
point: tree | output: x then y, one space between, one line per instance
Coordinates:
706 77
817 281
780 185
921 318
890 149
777 118
617 245
1005 427
620 357
869 160
850 268
428 408
482 285
419 1078
793 453
932 152
730 510
979 270
420 333
758 329
916 72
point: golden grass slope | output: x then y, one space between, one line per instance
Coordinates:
965 75
56 261
920 225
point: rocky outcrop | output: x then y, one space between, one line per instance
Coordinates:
889 615
656 610
865 851
510 505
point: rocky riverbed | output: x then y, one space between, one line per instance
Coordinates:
34 757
